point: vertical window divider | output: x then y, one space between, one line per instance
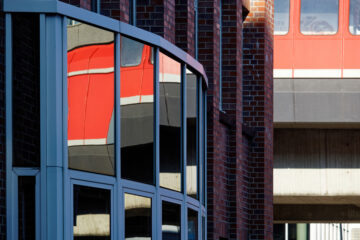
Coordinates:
10 183
157 199
42 124
183 152
118 193
199 154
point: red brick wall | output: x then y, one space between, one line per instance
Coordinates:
79 3
258 108
185 25
118 9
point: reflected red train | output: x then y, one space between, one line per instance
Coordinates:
320 41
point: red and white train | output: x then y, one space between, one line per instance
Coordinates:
317 39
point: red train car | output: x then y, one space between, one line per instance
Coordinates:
317 39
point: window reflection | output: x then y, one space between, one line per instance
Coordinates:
26 207
170 123
192 224
281 16
319 17
191 125
171 221
354 26
137 111
137 217
91 213
90 98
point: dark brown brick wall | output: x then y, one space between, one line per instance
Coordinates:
185 25
118 9
258 109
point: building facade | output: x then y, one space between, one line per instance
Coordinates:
183 152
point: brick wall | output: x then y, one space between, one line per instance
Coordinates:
118 9
185 25
258 89
2 127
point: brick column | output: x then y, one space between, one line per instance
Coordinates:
258 109
157 16
185 25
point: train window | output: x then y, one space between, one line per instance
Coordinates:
137 116
319 17
281 17
90 98
91 208
354 20
131 52
170 123
191 126
171 221
137 217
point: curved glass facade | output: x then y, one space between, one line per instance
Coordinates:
122 133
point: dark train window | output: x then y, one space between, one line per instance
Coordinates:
319 17
131 52
354 21
91 213
281 17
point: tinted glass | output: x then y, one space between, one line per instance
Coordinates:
170 123
131 52
26 207
192 225
281 16
203 228
279 232
137 217
191 130
319 17
354 20
171 221
26 90
90 98
91 213
137 114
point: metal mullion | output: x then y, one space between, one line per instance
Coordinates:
91 177
183 152
118 188
200 140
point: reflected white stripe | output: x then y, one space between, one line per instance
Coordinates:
351 73
79 142
91 71
169 77
282 73
317 73
136 99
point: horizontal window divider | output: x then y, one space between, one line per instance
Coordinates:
138 192
91 177
132 185
20 171
92 184
171 194
192 203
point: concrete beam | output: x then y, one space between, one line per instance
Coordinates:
316 101
316 213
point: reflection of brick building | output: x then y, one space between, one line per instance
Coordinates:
234 44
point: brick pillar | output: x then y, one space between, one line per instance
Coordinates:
117 9
258 109
185 25
157 16
209 52
2 127
232 106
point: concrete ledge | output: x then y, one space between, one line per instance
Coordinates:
316 213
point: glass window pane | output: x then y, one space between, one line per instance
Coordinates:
137 114
319 17
171 221
170 123
26 207
137 217
192 224
279 232
131 52
191 125
91 213
90 98
281 16
203 228
26 90
354 26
